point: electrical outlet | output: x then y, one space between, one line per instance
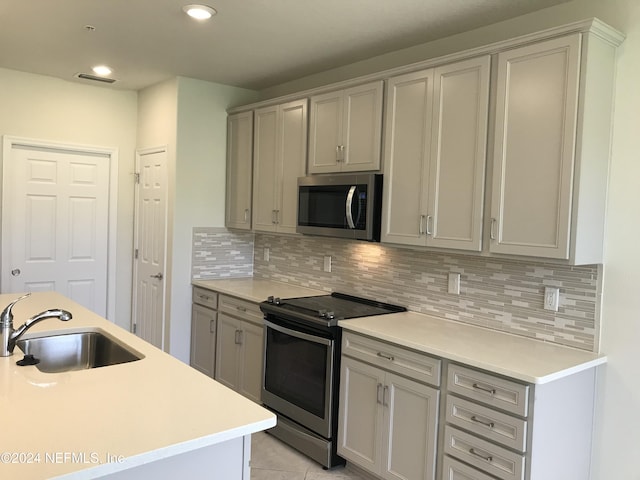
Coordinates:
327 263
265 254
551 298
454 283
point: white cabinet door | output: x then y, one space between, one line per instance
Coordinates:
435 153
250 382
345 130
406 166
411 412
325 132
458 154
239 163
537 93
293 154
228 350
203 339
280 147
362 127
266 167
360 416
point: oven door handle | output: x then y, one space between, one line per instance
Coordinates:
301 335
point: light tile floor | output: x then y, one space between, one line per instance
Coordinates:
273 460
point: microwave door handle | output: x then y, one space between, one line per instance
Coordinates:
352 191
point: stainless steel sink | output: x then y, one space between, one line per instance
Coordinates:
76 351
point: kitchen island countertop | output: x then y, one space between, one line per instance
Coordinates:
89 423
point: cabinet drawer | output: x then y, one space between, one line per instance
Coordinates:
484 455
491 424
452 469
414 365
489 389
205 297
240 308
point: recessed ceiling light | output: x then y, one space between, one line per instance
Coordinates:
199 12
102 70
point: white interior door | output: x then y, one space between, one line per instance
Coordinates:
55 223
150 246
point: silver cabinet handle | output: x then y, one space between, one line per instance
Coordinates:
238 337
339 153
242 309
486 458
384 396
490 391
492 233
350 195
277 217
421 225
482 422
204 297
159 276
386 356
429 222
212 326
379 400
246 214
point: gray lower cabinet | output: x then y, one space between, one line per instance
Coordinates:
239 346
499 428
387 422
203 330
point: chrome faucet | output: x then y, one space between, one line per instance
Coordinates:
9 336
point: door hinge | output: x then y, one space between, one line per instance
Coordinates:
136 177
135 254
135 327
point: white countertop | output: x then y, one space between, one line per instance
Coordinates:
256 290
531 361
143 411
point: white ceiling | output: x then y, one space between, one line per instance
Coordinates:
249 43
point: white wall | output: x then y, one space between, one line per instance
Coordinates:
617 431
189 117
46 108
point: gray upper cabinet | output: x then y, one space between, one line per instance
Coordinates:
435 156
279 158
239 165
345 130
551 148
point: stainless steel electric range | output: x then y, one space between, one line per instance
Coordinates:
302 367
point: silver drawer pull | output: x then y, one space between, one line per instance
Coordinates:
385 356
204 297
482 422
486 458
242 309
378 394
490 391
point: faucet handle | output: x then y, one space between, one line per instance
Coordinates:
6 317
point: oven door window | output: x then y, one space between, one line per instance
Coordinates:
296 370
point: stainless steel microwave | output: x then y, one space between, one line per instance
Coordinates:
347 206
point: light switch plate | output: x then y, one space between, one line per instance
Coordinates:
327 263
551 298
454 283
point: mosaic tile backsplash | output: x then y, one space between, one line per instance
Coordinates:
500 294
219 253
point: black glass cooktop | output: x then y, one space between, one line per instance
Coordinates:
328 309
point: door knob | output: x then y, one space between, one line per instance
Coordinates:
159 276
16 272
